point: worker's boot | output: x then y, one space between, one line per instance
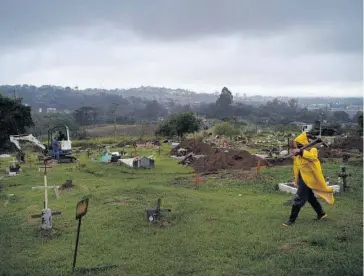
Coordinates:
294 214
318 209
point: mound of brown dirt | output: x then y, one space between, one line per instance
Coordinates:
195 146
333 153
349 143
328 153
280 161
226 160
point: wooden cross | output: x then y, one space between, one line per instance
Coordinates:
45 184
47 214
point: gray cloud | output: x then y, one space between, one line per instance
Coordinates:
250 45
335 24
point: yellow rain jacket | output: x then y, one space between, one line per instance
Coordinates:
310 168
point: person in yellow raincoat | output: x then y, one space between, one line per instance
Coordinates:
309 179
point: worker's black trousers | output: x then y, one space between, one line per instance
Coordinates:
304 194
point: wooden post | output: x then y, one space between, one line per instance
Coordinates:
198 180
29 160
81 210
258 166
45 185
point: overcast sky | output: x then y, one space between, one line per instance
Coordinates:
267 47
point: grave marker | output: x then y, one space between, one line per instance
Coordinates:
81 210
342 179
46 214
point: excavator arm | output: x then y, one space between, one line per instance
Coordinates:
16 138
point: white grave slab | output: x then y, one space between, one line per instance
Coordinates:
290 188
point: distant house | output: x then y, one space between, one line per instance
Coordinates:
51 110
299 124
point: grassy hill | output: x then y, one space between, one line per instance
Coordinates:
211 230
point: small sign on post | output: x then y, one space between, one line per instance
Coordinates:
81 210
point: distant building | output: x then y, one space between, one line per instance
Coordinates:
299 124
40 110
51 110
318 106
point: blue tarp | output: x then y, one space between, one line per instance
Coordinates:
105 158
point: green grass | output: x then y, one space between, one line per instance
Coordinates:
212 230
96 142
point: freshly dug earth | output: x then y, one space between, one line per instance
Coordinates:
226 160
216 160
280 161
196 147
349 143
329 153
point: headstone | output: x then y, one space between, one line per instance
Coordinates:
46 219
144 163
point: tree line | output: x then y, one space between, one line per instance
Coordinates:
174 119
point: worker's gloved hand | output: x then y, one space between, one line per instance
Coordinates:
296 152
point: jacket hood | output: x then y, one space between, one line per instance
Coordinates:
302 139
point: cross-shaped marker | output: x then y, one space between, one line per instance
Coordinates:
46 214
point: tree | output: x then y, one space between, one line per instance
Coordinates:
225 99
359 118
86 115
341 116
226 129
235 122
44 121
178 124
293 103
14 118
356 117
223 103
153 110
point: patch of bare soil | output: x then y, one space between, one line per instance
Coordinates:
67 185
226 160
217 159
212 218
289 247
348 143
280 161
117 201
195 146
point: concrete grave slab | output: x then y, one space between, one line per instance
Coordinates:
291 188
